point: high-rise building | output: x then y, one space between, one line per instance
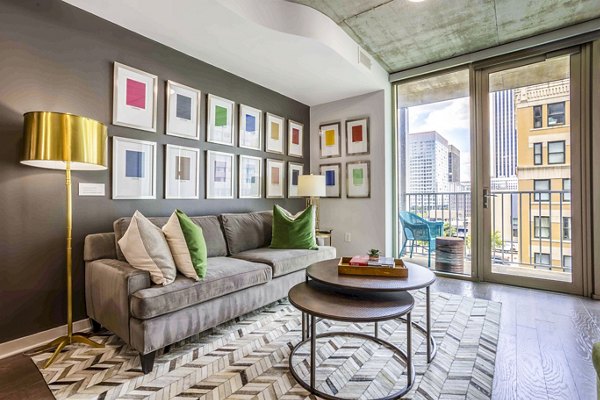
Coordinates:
427 155
505 134
453 164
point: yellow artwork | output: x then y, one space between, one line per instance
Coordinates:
330 137
274 131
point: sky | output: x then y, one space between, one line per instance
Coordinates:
450 119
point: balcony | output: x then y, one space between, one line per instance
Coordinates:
530 231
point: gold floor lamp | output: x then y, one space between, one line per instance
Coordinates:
66 142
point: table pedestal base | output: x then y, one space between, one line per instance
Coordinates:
406 356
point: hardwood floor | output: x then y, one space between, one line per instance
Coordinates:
544 350
545 343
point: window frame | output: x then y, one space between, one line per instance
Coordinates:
564 195
537 227
564 114
540 155
564 152
540 196
540 255
538 118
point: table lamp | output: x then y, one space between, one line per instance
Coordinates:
312 187
65 142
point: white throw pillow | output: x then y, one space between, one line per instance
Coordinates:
145 247
179 247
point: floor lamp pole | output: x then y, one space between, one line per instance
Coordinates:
70 338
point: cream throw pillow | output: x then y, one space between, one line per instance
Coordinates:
145 247
179 247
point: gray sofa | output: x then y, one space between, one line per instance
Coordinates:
243 274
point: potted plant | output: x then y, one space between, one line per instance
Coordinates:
374 254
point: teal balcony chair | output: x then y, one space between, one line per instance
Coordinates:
417 228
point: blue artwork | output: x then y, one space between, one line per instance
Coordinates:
184 107
250 123
330 178
134 164
295 174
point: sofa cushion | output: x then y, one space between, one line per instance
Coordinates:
247 231
145 247
285 261
224 275
211 229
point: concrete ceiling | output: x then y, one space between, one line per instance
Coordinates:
292 49
402 34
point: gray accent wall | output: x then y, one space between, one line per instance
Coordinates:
55 57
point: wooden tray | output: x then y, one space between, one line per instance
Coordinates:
398 271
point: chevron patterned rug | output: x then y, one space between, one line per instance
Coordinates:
247 358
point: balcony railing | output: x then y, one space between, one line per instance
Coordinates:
528 228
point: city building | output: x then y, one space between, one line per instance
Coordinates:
544 174
505 134
453 164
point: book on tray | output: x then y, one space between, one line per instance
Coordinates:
364 261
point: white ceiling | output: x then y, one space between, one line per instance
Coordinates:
289 48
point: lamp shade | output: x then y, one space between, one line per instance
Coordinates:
52 139
311 186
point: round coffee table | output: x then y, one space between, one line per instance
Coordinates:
419 277
328 302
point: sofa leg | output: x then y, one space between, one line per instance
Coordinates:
147 362
96 327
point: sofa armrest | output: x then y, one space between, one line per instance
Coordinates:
99 246
108 285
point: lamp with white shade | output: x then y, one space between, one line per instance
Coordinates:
312 187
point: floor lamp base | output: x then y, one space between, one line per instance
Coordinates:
66 340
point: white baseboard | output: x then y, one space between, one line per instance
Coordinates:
23 344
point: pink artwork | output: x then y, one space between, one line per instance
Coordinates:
136 94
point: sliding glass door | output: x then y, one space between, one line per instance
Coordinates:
528 171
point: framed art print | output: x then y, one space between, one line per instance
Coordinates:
183 111
219 175
182 172
274 133
333 179
134 98
219 123
134 169
329 140
295 138
275 179
295 170
250 177
250 128
357 136
358 179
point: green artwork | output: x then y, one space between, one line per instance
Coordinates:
220 116
357 176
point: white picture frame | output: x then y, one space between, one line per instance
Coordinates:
274 134
220 121
250 128
250 177
133 169
182 169
183 111
358 180
357 136
220 170
295 139
333 179
275 179
295 171
134 98
330 140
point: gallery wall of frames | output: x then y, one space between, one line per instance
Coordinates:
227 124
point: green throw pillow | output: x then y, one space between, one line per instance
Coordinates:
293 231
194 238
